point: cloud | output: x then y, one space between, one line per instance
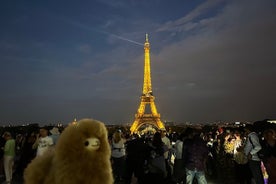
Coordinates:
186 23
231 60
4 45
222 67
215 63
84 48
119 3
128 3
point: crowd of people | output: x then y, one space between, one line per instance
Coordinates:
224 155
18 152
228 155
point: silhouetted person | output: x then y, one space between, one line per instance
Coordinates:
178 167
195 154
118 155
242 172
9 154
156 161
136 152
28 153
251 148
167 143
269 151
43 142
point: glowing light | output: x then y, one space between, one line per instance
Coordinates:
147 98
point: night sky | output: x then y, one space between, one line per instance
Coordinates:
210 60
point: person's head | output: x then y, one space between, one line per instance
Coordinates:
117 136
189 132
269 135
220 130
135 136
163 132
43 132
237 134
7 135
54 131
249 128
157 139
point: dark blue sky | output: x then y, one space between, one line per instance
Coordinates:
211 60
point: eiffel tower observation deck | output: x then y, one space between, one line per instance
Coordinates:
147 99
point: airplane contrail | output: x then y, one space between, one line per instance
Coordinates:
122 38
99 31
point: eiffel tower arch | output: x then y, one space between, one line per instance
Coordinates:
147 99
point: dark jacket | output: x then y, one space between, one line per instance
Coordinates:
195 154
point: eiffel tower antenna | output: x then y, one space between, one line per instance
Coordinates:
147 98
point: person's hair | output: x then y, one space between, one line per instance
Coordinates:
269 131
157 140
44 128
7 134
249 127
189 131
117 137
238 132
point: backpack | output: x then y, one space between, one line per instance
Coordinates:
156 162
261 152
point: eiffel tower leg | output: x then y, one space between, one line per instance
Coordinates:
153 108
160 125
134 127
141 110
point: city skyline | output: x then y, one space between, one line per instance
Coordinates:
210 60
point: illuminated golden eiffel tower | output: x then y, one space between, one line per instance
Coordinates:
147 98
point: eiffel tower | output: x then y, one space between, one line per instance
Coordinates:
147 99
